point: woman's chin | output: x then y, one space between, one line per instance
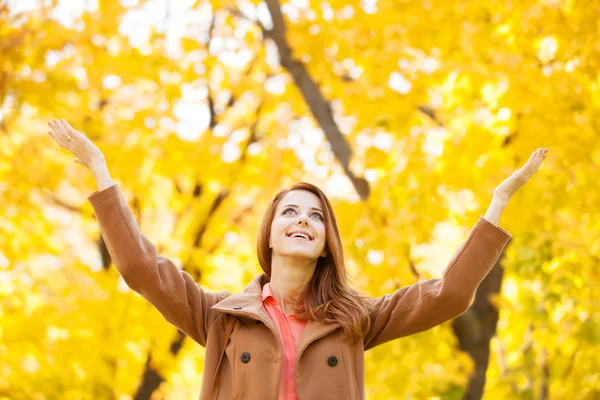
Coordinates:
300 253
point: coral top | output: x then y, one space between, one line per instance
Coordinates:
290 328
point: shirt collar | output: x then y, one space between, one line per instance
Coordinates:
266 291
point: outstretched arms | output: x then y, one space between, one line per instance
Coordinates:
172 291
428 303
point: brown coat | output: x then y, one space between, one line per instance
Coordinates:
327 367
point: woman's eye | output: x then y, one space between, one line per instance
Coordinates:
315 213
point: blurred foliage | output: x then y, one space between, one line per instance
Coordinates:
440 102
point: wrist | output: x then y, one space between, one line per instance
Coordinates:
98 165
501 198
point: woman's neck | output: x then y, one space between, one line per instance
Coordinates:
288 277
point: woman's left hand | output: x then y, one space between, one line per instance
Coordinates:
509 187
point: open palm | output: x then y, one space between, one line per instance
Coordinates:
509 187
75 142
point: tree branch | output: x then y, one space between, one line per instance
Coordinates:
313 97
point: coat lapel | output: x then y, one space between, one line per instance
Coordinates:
249 304
312 331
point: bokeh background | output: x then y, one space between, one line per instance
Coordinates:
406 113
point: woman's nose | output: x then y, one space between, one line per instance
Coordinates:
302 220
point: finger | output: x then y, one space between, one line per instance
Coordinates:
56 123
54 136
52 125
55 126
539 154
539 158
72 131
69 128
60 140
532 158
542 154
532 164
63 127
63 132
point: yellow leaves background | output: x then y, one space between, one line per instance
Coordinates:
200 126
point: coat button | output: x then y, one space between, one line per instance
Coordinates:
332 361
245 357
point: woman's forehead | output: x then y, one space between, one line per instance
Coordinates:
301 198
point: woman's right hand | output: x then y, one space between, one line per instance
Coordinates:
86 152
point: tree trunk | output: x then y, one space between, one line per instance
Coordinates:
151 379
476 327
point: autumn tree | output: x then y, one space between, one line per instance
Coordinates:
407 114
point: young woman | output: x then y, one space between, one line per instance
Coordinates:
297 331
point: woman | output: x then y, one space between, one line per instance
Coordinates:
297 331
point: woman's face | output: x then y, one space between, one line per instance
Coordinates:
298 210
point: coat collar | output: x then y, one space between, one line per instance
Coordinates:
248 304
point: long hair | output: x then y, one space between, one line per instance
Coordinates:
327 297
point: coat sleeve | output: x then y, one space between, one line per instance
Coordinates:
173 292
427 303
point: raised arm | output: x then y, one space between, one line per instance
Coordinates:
173 292
428 303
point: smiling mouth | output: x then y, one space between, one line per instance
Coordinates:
300 237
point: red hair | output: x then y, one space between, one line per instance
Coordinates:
327 297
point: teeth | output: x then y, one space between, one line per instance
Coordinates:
300 235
